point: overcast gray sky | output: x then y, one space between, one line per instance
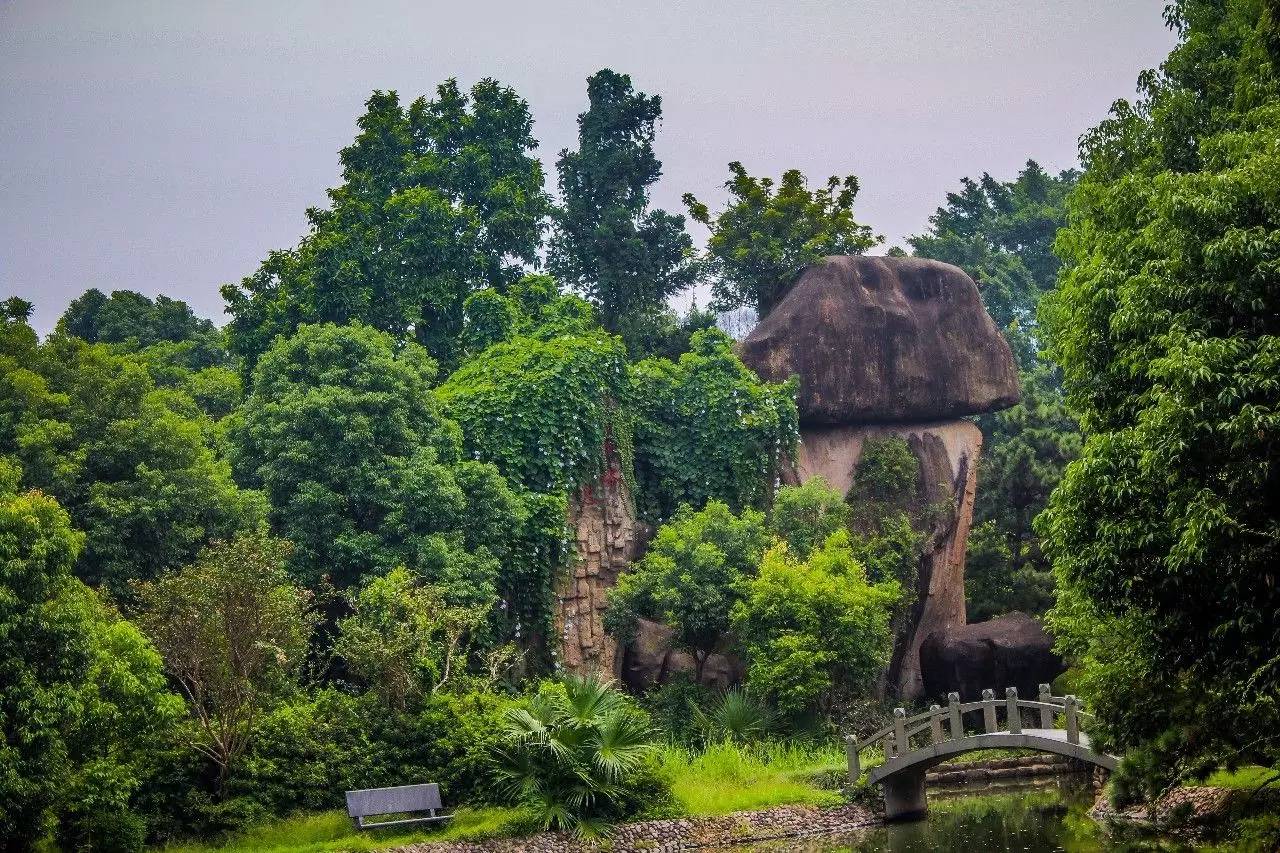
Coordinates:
167 146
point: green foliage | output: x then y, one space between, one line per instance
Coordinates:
578 755
764 238
729 777
689 577
306 752
1165 529
708 428
1027 448
129 317
84 704
804 516
233 631
544 411
623 257
134 465
365 473
43 659
810 626
734 716
406 639
125 718
439 199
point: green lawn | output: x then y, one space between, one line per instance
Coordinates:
719 780
727 778
1243 778
334 831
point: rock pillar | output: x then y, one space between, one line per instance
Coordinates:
602 522
948 455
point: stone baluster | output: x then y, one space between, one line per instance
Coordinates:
953 709
989 711
935 723
900 730
851 754
1046 714
1073 720
1015 716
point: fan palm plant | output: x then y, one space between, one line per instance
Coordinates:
735 716
573 754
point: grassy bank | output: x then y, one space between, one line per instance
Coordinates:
721 779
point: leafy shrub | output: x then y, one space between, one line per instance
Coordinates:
579 755
810 625
689 578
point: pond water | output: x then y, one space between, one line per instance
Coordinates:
1049 816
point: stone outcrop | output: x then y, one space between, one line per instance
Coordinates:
1011 650
606 537
878 340
948 455
652 659
903 347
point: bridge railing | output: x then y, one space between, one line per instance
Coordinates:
947 723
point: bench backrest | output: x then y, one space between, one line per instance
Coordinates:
405 798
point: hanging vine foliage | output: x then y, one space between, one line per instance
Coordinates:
708 428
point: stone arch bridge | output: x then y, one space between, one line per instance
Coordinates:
901 776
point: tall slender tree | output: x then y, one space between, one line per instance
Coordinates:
608 244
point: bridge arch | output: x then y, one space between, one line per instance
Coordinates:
901 776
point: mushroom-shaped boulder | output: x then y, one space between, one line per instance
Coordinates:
883 339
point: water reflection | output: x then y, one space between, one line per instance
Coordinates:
1040 818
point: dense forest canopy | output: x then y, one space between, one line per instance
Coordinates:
245 569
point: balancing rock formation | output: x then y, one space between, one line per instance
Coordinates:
894 347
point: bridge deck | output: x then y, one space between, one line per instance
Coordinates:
1041 740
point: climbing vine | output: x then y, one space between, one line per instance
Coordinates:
708 428
542 410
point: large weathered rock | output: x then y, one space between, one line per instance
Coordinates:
651 659
878 340
948 455
1008 651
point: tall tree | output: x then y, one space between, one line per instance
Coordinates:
763 238
1002 233
1165 534
623 257
136 466
438 200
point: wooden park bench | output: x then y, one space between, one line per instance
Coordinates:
405 799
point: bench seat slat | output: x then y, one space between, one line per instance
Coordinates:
398 800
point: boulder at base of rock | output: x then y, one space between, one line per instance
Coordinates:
878 340
651 659
1009 651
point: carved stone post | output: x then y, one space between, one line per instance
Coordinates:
1073 721
935 723
900 730
851 753
957 723
1015 716
989 711
1046 714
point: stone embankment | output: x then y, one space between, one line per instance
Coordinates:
661 836
1186 810
1000 769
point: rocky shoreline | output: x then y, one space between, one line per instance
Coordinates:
690 833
